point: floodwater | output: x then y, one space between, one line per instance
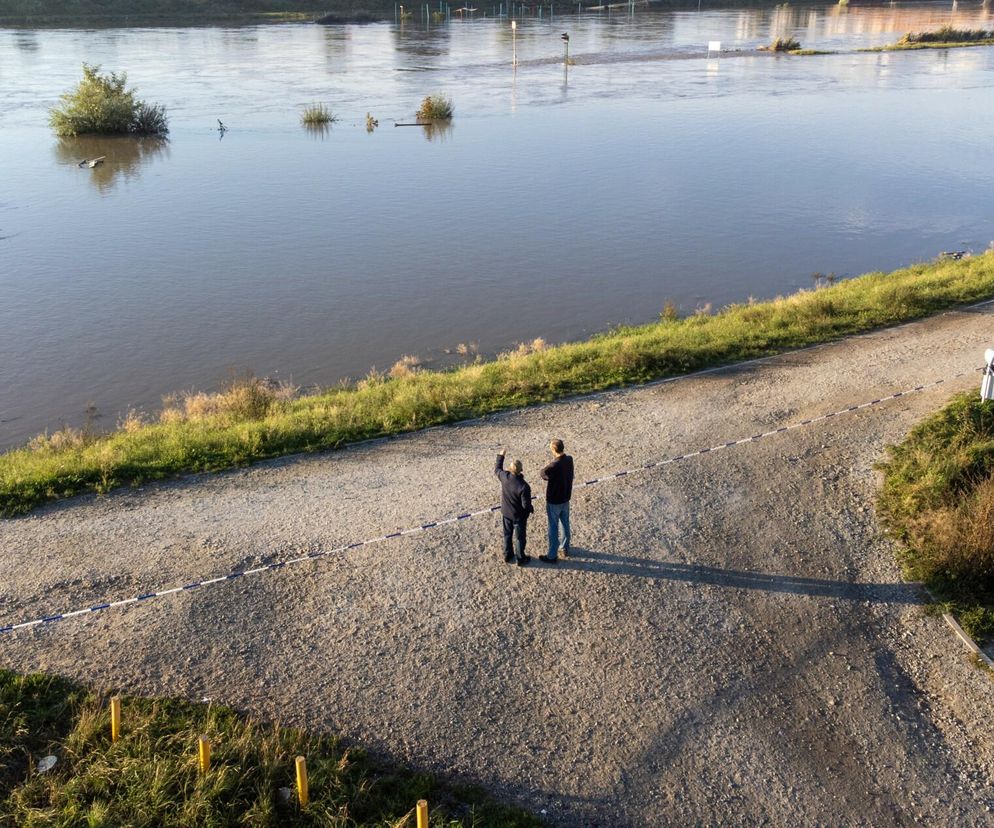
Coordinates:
558 203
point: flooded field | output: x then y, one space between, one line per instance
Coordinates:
561 201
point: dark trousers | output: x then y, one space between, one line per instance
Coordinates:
519 529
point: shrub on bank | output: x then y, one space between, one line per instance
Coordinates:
938 499
254 425
149 777
103 105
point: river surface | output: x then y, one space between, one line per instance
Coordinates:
558 203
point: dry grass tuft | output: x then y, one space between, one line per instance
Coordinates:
523 349
243 399
132 422
405 366
64 439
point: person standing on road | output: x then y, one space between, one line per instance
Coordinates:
515 507
559 474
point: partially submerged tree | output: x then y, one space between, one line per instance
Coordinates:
103 105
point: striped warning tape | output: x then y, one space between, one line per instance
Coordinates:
424 527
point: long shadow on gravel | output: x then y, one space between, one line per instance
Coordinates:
587 561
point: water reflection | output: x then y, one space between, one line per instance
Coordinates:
423 43
123 157
439 131
26 41
319 132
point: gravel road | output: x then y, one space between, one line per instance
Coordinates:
730 643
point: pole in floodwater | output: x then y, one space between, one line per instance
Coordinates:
564 37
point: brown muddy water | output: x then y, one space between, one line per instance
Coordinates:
557 204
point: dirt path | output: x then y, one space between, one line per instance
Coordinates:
730 643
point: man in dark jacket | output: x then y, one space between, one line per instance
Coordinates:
559 474
515 507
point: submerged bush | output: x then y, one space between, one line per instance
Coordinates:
103 105
317 115
784 44
149 119
435 108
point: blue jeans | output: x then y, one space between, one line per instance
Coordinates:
558 513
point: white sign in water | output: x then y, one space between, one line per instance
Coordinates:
714 46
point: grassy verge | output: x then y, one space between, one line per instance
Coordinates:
150 777
251 422
938 500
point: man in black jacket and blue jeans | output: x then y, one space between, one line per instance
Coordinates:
515 507
559 474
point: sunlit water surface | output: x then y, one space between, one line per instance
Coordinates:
555 206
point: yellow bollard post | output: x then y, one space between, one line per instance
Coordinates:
303 794
115 718
422 813
205 754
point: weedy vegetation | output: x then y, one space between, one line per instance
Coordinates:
943 38
947 34
150 777
317 115
252 420
103 105
435 108
782 44
937 499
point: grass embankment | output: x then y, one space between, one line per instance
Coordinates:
938 499
251 421
150 776
944 38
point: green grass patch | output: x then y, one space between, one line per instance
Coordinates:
807 52
938 500
150 777
251 421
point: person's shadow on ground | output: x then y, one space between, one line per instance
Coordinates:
585 560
